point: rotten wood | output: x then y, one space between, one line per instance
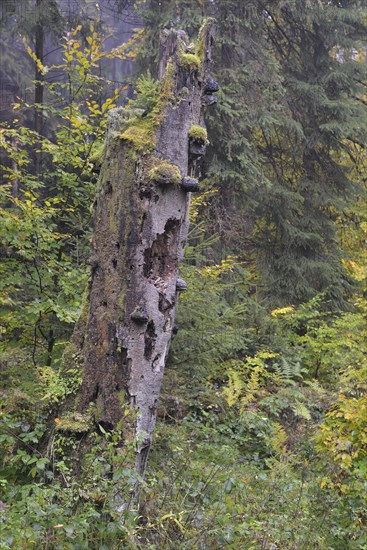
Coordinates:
123 336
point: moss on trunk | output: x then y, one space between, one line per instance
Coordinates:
140 226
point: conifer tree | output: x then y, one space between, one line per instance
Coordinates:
288 82
298 252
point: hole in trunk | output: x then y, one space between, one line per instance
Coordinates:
149 340
156 365
161 259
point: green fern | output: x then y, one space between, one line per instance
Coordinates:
301 410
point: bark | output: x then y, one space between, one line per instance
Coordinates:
141 223
39 80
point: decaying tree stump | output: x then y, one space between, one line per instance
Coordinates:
140 226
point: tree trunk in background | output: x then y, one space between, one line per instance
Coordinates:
141 223
39 41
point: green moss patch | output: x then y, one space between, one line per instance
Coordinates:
97 156
200 48
140 130
198 133
165 173
189 61
75 423
141 134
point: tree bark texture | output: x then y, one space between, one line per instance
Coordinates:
141 224
39 80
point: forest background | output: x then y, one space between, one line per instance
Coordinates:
262 434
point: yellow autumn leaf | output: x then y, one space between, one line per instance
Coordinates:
282 311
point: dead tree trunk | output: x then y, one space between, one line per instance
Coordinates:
141 221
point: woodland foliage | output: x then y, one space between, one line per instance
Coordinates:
261 441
